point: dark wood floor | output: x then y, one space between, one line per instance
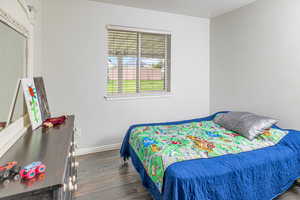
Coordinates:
101 177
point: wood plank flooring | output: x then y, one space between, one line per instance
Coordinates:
102 177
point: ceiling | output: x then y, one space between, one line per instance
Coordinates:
197 8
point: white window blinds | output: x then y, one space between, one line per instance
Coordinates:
138 62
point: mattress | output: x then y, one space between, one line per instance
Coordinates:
197 159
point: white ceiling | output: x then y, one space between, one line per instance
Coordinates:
197 8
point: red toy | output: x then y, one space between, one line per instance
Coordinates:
31 170
2 124
31 182
54 121
9 170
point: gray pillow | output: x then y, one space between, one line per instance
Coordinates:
246 124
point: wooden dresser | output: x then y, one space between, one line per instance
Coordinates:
55 148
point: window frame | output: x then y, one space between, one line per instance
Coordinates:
138 94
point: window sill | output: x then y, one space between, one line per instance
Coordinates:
138 96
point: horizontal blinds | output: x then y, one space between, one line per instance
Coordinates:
122 61
153 46
137 62
154 62
122 43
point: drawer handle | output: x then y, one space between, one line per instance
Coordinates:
74 179
75 164
71 186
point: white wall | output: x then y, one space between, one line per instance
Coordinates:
255 60
37 34
74 67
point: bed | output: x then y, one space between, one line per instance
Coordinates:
199 160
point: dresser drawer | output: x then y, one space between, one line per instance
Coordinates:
70 176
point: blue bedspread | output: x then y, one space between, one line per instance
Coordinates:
255 175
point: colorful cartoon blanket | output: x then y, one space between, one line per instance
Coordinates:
159 146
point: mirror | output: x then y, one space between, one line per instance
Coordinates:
13 53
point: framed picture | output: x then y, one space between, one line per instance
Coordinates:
32 102
42 98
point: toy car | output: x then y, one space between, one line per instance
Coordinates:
31 170
54 121
9 170
2 124
31 182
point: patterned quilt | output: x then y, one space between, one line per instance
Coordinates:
159 146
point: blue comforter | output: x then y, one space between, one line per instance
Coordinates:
255 175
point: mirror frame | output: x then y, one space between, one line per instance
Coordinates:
11 22
13 131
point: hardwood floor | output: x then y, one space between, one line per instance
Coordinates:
101 177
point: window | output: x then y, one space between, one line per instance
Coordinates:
138 62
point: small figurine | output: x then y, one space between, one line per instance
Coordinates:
33 169
9 171
54 121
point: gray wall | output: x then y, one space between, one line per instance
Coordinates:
255 60
75 65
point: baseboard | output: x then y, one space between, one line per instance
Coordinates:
89 150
